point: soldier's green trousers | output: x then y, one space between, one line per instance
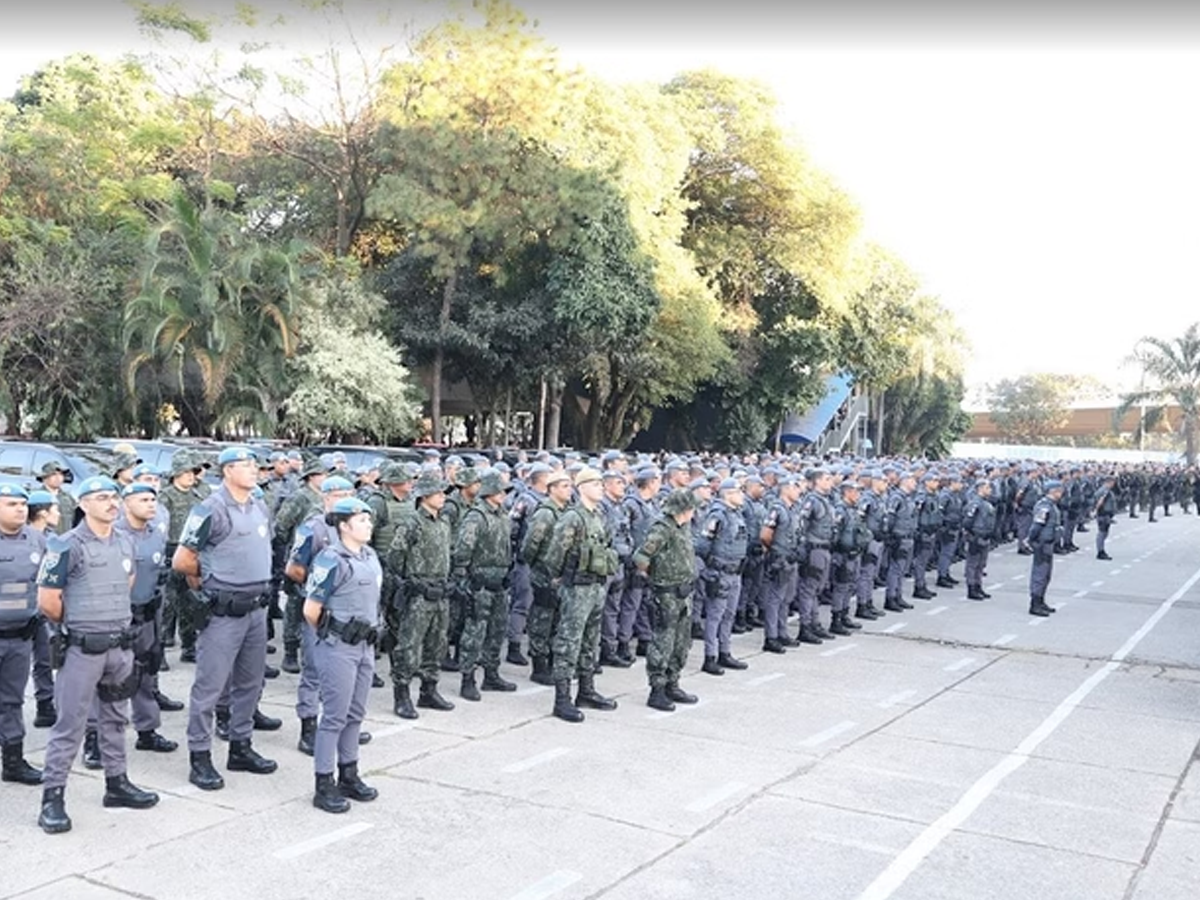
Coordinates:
177 611
671 637
542 619
420 641
484 625
577 636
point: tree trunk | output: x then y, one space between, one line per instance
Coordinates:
541 424
508 417
439 356
342 237
1189 437
879 425
554 420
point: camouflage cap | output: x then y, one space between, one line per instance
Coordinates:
679 501
429 484
312 466
466 476
492 484
121 462
394 473
50 468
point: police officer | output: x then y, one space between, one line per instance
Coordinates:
979 516
814 531
342 605
543 613
84 584
1044 534
1104 508
754 509
225 554
899 528
44 518
665 560
929 525
850 538
178 497
480 561
721 547
640 507
21 550
420 557
950 505
779 537
523 501
579 562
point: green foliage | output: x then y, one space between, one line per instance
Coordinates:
1172 369
926 415
1028 409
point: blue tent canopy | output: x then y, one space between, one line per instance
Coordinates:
808 428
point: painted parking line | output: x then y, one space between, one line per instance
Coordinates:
937 611
1004 640
898 626
841 648
548 886
958 666
895 699
1114 572
828 734
525 765
763 679
295 851
715 796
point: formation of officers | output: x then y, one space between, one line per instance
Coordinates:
459 564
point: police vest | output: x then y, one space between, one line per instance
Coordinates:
20 556
149 549
97 598
820 517
242 558
358 580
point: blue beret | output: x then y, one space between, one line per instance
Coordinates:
14 490
96 485
336 483
729 484
349 506
146 469
647 473
539 468
138 487
611 456
613 473
675 465
698 483
295 454
234 454
1052 484
42 498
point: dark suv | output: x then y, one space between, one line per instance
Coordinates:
21 461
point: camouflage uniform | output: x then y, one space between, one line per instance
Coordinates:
295 510
543 612
420 557
667 559
481 558
177 607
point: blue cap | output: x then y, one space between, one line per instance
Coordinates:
611 456
146 469
538 468
728 484
698 483
138 487
42 498
675 465
257 492
96 485
753 479
295 454
647 473
279 456
454 460
336 483
614 474
1051 485
349 506
234 454
327 462
14 490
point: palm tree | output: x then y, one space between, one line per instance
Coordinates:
1172 368
216 311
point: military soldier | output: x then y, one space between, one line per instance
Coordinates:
721 546
420 558
979 517
51 475
1044 533
21 551
524 501
342 605
84 584
178 497
480 561
1104 508
466 484
44 517
666 561
620 533
396 480
225 553
543 613
305 501
579 562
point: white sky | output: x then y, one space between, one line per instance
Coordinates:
1040 169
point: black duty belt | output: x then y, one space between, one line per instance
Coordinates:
95 644
23 632
817 545
729 568
355 631
585 579
235 604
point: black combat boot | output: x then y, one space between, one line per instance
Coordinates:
403 706
588 696
642 647
739 622
610 657
541 671
847 622
944 582
166 704
47 715
308 735
263 722
187 655
753 617
697 630
154 742
1101 555
203 775
890 605
904 604
624 653
493 682
515 656
450 660
270 671
676 694
772 645
974 592
327 797
291 659
711 667
15 768
54 818
658 700
222 716
923 594
353 787
91 750
469 689
820 630
119 791
807 635
837 627
377 680
863 611
563 707
429 698
727 660
244 758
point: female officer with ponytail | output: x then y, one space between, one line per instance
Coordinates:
342 603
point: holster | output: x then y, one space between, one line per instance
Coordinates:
58 649
545 597
113 693
201 610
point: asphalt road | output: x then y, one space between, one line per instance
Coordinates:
961 750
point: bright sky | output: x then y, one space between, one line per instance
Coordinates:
1039 169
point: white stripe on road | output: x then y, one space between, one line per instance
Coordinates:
548 886
1079 594
828 734
895 699
1114 572
1034 623
393 730
937 611
961 664
907 862
841 648
679 707
295 851
525 765
531 691
892 629
763 679
994 587
1004 639
1097 583
1017 577
712 798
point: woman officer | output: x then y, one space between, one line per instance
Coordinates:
342 604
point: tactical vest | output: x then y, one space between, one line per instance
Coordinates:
642 515
356 589
951 503
149 549
820 517
20 556
616 521
97 598
733 539
242 558
903 515
872 513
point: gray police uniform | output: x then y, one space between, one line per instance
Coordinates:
900 526
633 618
815 532
93 574
870 505
1044 532
721 547
20 556
233 541
779 584
520 587
149 553
951 505
979 521
313 535
347 586
753 511
1105 508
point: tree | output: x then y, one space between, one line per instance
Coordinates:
926 415
1028 409
1172 368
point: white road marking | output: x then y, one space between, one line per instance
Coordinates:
185 791
937 611
548 886
961 664
907 862
994 587
679 707
531 691
1114 572
713 797
892 629
1079 594
1004 639
763 679
1034 623
525 765
841 648
1017 577
393 730
295 851
828 734
1097 583
895 699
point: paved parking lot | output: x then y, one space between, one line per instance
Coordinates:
962 750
